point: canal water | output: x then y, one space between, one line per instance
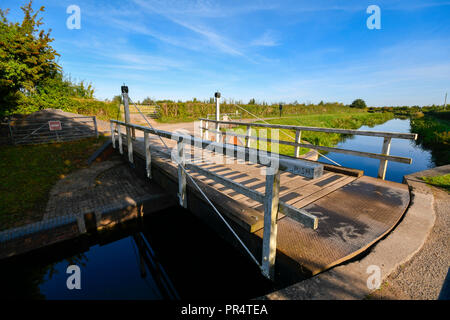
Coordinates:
173 254
421 159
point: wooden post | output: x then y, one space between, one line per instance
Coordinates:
113 137
217 132
206 130
148 156
201 129
120 139
271 201
95 126
249 133
383 163
181 176
129 145
298 139
11 132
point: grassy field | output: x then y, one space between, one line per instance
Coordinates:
337 120
439 181
29 172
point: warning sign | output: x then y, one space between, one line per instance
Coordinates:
54 125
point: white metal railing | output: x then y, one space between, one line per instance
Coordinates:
270 199
384 156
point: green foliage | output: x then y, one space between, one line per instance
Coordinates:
190 111
147 101
359 103
434 134
27 59
439 181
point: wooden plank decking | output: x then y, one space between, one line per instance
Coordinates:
354 211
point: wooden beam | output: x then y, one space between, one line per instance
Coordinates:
383 163
331 149
398 135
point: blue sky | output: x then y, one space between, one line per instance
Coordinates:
268 50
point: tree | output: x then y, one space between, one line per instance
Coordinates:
358 103
147 101
252 101
27 59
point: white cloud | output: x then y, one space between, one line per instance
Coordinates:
268 39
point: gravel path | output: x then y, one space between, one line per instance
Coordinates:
423 276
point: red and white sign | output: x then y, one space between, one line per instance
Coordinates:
54 125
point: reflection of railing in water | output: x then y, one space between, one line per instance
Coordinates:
384 156
147 259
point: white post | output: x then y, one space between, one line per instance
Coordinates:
127 121
120 139
201 129
271 201
249 133
383 163
217 96
181 176
113 135
148 156
298 139
206 130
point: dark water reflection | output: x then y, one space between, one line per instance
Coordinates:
421 159
180 257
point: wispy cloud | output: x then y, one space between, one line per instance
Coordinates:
268 39
215 40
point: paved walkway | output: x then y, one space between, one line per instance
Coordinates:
423 276
104 185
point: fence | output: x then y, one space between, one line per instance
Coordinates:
384 156
225 116
270 199
34 131
149 111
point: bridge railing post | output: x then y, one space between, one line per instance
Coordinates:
181 175
120 138
148 155
201 129
206 130
271 202
113 134
129 144
383 163
247 138
298 139
94 118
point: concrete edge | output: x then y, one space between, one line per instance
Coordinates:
356 280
